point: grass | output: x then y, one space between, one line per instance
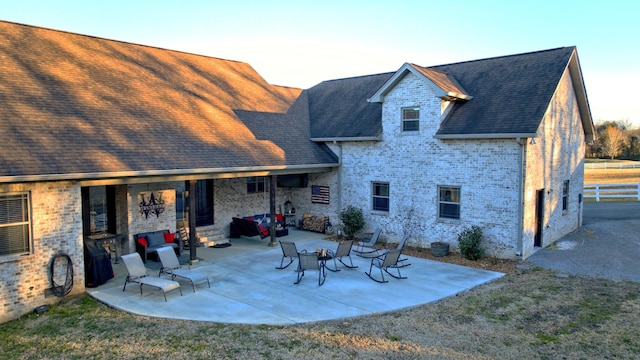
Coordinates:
526 314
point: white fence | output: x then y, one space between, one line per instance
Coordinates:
613 165
611 191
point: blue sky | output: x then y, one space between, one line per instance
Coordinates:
301 43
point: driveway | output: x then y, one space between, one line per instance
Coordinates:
606 246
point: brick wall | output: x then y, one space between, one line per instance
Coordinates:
57 227
557 156
414 164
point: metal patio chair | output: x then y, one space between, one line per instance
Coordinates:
384 262
368 242
290 251
310 261
343 250
137 273
171 266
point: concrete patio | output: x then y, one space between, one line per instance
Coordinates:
247 289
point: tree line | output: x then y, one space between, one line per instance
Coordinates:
616 139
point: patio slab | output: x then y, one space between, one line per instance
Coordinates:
247 289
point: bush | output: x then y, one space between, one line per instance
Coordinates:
469 243
352 221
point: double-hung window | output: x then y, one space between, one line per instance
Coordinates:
256 184
449 202
410 119
15 224
565 195
380 196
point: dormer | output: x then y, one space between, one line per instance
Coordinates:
445 86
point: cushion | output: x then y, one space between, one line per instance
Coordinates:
169 237
279 217
156 238
143 241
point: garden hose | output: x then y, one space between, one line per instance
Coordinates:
61 290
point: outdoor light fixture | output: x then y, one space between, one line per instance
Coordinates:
533 141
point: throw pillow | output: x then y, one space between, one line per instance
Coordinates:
143 241
169 237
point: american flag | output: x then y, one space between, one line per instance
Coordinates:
320 194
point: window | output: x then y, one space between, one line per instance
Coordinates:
449 202
256 184
15 224
380 196
98 210
410 119
565 195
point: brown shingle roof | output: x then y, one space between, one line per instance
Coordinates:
79 104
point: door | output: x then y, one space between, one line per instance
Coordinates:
537 240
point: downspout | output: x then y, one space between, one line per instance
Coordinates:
521 177
339 144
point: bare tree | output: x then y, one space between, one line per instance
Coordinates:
613 141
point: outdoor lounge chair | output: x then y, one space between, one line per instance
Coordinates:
171 266
290 251
310 261
368 242
379 252
386 261
137 273
343 250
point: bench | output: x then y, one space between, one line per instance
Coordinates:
255 225
149 242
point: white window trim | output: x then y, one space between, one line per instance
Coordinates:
459 204
19 255
373 197
403 120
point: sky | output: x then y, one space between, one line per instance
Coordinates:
302 43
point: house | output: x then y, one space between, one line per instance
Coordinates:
103 136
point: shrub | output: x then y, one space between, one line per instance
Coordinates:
469 243
352 221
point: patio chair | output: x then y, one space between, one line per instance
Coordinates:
379 252
343 250
384 262
290 251
137 273
310 261
368 242
171 266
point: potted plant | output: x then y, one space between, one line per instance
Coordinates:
439 248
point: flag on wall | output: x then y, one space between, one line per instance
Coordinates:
320 194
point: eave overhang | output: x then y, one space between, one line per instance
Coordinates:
135 177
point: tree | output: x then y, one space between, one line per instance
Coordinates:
613 141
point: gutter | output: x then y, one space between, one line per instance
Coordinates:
343 139
178 174
521 177
516 136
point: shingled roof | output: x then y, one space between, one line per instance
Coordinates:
75 106
498 97
511 93
339 108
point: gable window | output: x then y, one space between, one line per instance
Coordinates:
449 202
256 184
411 119
380 196
565 195
15 224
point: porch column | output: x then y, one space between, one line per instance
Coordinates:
272 209
193 259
